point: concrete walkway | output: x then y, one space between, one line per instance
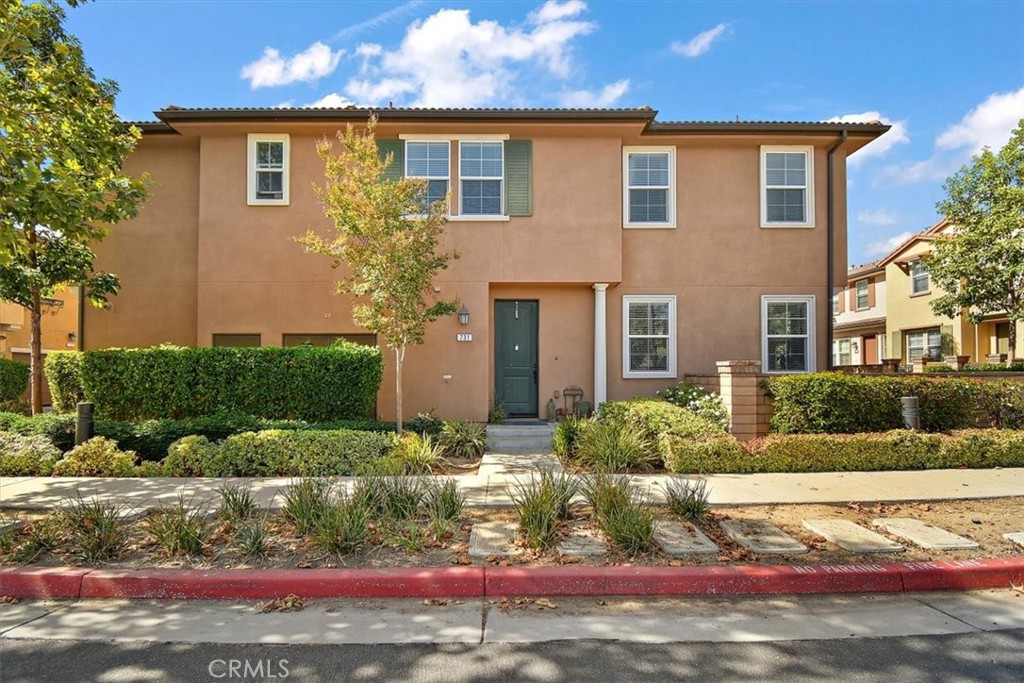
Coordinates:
489 487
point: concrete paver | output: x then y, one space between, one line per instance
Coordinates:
1016 537
852 537
583 543
924 535
488 539
761 537
678 539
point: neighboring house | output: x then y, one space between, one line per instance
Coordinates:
599 248
914 330
859 312
60 325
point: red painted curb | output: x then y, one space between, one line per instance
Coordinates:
42 582
418 582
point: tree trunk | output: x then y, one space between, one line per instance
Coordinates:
1011 354
399 357
36 353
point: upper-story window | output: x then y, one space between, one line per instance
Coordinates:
481 175
429 160
268 169
787 189
835 304
649 177
863 297
920 282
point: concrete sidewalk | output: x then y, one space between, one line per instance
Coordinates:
489 488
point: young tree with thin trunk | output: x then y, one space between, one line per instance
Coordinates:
387 243
61 151
980 263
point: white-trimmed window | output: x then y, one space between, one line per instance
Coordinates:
862 294
787 187
842 352
787 328
429 160
835 302
924 342
481 178
268 169
649 177
649 336
920 282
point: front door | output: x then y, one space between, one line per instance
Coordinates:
515 356
871 350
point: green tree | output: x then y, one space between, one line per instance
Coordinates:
980 263
61 151
387 243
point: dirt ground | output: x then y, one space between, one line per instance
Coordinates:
409 544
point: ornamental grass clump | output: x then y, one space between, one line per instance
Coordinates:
537 506
306 502
443 503
461 439
611 447
689 499
237 504
253 539
343 526
181 529
391 498
94 529
621 512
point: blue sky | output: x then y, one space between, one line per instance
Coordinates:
949 76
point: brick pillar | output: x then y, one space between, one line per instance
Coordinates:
744 398
957 362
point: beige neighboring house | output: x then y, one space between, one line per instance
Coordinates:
859 313
914 331
600 248
60 328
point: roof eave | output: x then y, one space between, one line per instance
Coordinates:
170 116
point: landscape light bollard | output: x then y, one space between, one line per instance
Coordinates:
84 423
911 413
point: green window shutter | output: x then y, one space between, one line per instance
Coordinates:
396 148
518 177
946 339
896 344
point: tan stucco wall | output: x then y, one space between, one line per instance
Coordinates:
57 324
199 261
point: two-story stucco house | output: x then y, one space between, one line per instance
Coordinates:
599 248
859 313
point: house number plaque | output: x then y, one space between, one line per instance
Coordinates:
464 337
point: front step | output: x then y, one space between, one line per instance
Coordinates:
519 438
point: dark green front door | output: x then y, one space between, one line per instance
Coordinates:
515 356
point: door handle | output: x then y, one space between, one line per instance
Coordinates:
534 373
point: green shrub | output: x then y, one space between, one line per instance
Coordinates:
391 498
689 499
702 403
97 457
344 525
13 379
657 422
461 439
565 441
306 502
64 375
425 423
26 455
621 512
616 447
443 503
190 456
237 503
537 507
715 453
310 383
95 529
837 403
59 429
180 529
253 540
1015 366
303 453
410 454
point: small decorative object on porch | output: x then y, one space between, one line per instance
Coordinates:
570 397
583 408
550 410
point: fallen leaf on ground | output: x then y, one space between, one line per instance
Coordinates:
9 600
542 603
436 602
291 603
463 559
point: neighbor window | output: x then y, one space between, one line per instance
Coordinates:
236 340
268 169
924 342
649 176
649 336
430 161
787 323
842 352
919 280
327 339
835 303
786 187
481 175
862 294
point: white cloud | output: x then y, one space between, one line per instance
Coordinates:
369 50
897 134
884 246
377 20
606 97
879 217
272 69
331 101
989 124
448 60
700 43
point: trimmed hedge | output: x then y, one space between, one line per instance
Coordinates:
63 373
893 450
309 383
13 379
655 418
837 403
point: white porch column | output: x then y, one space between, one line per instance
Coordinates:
600 344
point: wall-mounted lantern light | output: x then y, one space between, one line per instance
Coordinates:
463 316
71 340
